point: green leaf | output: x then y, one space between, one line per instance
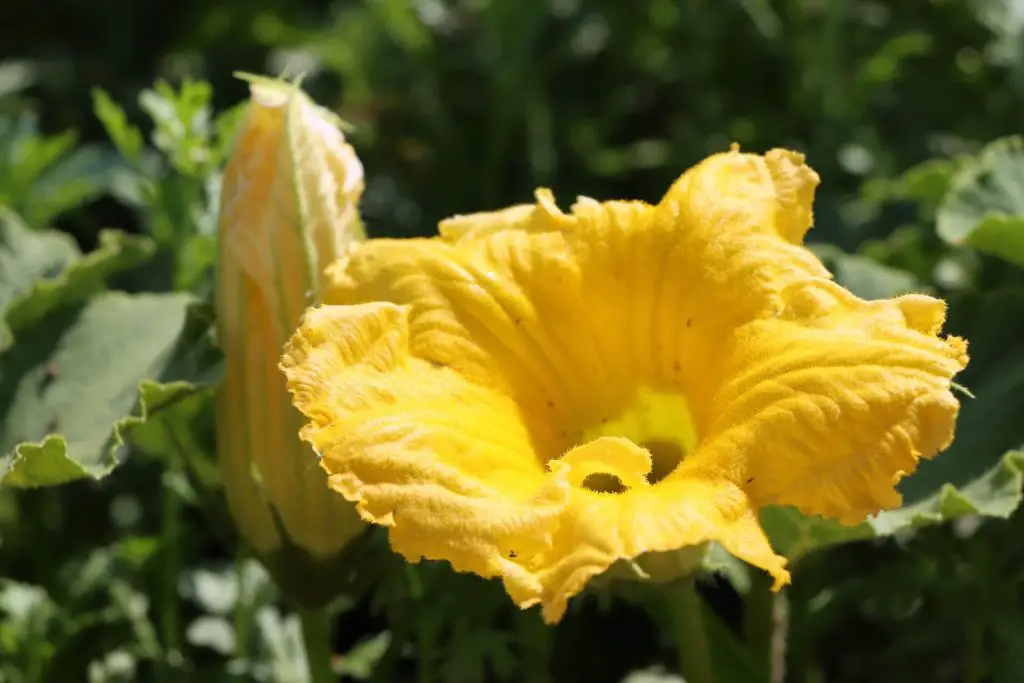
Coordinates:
997 493
27 257
866 277
126 137
41 271
183 124
360 662
70 389
43 176
178 423
984 208
794 534
85 174
926 184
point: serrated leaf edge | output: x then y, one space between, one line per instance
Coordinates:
111 243
179 390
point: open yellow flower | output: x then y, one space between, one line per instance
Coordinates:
534 394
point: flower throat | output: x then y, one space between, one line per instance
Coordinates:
658 421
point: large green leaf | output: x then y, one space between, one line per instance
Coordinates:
178 423
43 270
996 493
981 472
80 368
71 385
925 184
984 208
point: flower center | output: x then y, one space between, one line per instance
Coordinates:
658 421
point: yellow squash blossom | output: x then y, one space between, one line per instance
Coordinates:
289 208
534 395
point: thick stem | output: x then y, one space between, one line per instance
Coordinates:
316 636
692 647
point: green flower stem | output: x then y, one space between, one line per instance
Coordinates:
170 620
316 636
692 647
765 628
243 608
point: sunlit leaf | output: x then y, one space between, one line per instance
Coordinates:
984 208
866 277
70 385
43 176
41 271
925 184
126 138
997 493
360 661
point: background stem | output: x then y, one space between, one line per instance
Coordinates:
691 640
766 628
316 636
170 532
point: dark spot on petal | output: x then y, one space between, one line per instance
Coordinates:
511 554
689 321
750 481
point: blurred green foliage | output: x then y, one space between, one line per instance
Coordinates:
121 115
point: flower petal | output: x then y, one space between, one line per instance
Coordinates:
731 192
597 529
570 313
446 463
832 403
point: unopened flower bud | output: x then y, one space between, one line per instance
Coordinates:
288 209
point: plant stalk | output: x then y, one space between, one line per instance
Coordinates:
170 532
766 626
316 637
691 639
